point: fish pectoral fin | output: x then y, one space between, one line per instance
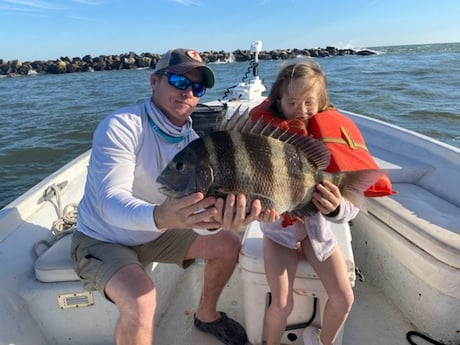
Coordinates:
267 203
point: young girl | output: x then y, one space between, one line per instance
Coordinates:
299 94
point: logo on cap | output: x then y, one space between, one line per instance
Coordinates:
194 55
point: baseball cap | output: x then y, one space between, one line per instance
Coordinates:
181 61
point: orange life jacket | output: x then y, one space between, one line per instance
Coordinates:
348 148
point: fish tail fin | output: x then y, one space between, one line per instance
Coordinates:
353 184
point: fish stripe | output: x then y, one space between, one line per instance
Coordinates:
292 168
222 152
230 168
282 169
259 158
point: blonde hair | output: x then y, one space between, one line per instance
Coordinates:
314 80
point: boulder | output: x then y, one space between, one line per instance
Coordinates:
67 64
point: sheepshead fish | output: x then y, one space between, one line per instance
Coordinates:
281 172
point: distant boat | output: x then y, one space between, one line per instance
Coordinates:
367 51
407 248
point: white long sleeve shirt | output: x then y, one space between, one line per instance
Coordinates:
127 156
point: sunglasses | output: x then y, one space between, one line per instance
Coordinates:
182 83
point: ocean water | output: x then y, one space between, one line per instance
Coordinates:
47 120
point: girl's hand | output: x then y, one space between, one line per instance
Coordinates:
326 197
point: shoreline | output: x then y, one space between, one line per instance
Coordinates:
132 60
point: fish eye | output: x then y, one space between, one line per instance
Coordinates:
179 166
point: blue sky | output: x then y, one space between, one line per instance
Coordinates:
47 29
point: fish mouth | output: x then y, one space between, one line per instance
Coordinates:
171 193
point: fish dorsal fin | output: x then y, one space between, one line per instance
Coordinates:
235 122
316 152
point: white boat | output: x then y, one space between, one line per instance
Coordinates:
407 247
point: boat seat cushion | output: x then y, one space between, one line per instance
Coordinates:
55 264
422 217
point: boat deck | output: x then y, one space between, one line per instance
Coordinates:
31 314
373 319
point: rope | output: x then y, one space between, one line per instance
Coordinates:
410 334
252 65
66 222
226 92
67 217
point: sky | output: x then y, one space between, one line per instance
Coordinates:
33 30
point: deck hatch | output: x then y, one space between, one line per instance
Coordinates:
76 300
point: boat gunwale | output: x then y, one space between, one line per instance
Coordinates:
20 209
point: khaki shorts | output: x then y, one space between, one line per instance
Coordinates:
96 261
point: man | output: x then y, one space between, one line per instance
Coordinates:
125 223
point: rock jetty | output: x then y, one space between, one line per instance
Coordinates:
132 60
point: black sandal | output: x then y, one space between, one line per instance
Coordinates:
225 329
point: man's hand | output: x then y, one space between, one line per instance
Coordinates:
192 211
233 212
197 212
